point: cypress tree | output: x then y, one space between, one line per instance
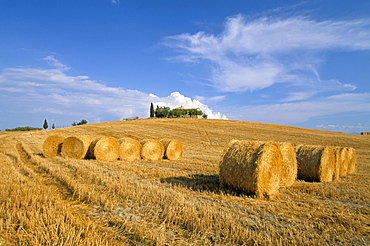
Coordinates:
151 110
45 125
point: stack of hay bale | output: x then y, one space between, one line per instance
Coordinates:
110 149
260 168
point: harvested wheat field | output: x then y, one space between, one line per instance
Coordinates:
71 201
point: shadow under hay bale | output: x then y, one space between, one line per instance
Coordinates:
197 182
289 167
104 149
352 160
129 149
315 163
253 167
152 150
76 147
52 145
172 149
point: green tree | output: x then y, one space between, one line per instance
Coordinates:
151 110
45 125
195 112
53 126
162 112
204 116
82 122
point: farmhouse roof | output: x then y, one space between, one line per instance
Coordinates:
187 108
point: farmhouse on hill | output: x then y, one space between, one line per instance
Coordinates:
197 115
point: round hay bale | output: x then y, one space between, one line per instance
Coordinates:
104 149
343 162
289 167
172 149
315 163
252 166
52 145
337 162
76 147
352 160
129 149
152 150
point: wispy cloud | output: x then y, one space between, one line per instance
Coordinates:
52 91
255 54
298 112
344 128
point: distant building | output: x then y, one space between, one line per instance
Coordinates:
198 116
182 107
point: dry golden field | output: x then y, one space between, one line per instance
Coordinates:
58 201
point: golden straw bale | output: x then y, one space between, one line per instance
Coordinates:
151 150
252 166
104 149
352 160
337 162
172 149
343 162
315 163
76 147
289 166
52 145
129 149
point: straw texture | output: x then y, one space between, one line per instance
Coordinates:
129 149
252 166
104 149
76 147
289 167
352 160
315 163
52 145
152 150
172 149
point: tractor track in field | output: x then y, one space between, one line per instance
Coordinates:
30 167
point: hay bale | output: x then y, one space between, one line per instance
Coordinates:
343 162
252 166
76 147
172 149
315 163
289 167
352 160
337 162
151 150
104 149
52 145
129 149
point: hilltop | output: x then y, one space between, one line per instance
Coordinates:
174 202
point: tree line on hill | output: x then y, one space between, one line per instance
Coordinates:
45 125
164 112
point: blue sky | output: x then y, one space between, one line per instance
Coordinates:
297 63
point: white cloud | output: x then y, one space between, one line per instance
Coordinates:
210 99
55 63
251 55
343 128
298 112
53 91
176 99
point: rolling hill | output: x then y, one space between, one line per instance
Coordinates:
57 201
